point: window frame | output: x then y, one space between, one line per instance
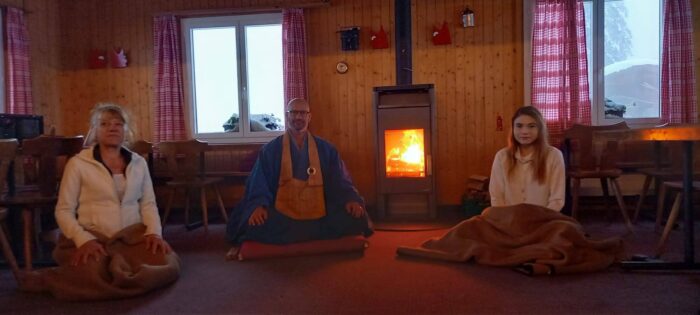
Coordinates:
244 135
597 82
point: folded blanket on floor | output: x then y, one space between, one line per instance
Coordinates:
255 250
545 241
129 270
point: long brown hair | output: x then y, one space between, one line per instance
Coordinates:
541 144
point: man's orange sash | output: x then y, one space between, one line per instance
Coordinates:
298 199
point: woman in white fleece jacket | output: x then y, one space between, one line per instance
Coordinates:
107 212
108 187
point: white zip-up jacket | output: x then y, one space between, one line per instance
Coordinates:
522 187
88 199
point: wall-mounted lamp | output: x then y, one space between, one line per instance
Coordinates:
467 18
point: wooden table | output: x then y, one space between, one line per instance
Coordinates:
687 135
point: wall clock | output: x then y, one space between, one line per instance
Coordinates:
341 67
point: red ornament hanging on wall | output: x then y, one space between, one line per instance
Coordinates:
379 39
97 59
441 36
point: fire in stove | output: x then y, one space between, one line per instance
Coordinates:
405 153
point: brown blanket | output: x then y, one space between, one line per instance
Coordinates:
534 238
129 269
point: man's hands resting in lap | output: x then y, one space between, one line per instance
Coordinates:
259 216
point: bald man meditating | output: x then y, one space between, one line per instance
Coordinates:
299 190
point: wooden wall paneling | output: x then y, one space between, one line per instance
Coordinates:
117 34
357 102
389 55
141 111
371 21
371 18
696 43
489 78
348 117
481 132
341 104
365 173
453 123
131 75
141 65
73 54
517 55
63 79
449 83
102 28
314 20
246 3
14 3
343 118
53 38
318 61
41 19
471 77
139 62
437 74
494 85
461 104
473 71
330 86
340 130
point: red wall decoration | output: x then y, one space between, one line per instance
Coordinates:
441 36
97 59
379 39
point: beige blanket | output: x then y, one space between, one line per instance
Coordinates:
129 269
531 237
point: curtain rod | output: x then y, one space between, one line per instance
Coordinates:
317 4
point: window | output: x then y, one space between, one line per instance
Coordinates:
235 80
624 49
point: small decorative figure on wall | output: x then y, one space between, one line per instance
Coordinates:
379 39
441 36
468 18
97 59
118 58
350 38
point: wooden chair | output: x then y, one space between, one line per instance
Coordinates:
42 158
185 163
145 149
670 172
675 209
8 150
586 162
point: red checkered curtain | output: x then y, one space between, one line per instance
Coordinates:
678 103
559 68
18 87
169 112
294 54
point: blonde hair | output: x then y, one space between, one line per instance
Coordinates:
540 144
112 109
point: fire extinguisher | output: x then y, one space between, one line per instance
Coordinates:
499 123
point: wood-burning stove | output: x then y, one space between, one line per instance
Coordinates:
406 143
